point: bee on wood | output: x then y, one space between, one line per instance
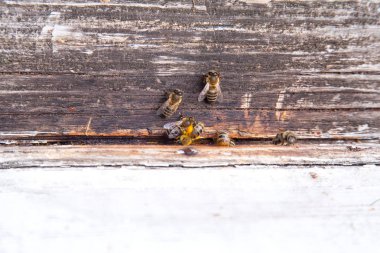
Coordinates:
185 140
223 139
187 124
197 130
173 129
192 128
212 88
184 126
185 131
285 138
171 104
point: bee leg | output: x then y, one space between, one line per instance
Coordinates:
168 93
180 116
276 140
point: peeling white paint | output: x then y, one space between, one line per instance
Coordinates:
63 34
174 66
26 92
329 49
143 46
112 37
50 22
331 89
336 98
256 1
88 126
346 32
223 28
66 33
363 127
167 5
279 103
8 142
245 102
88 52
280 99
171 60
363 67
364 131
24 133
352 76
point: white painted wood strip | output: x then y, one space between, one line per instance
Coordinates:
256 209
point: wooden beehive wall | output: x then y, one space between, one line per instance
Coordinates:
87 68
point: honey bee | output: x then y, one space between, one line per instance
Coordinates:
187 125
171 104
223 139
197 130
285 138
212 88
185 140
182 127
185 131
173 129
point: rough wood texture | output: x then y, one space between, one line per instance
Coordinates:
102 69
173 156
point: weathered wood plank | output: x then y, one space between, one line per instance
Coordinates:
91 102
192 84
322 39
64 104
240 123
173 156
62 92
102 69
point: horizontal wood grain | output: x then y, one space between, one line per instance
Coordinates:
240 123
102 69
172 156
64 91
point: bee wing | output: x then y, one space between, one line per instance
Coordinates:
203 93
220 94
174 132
176 105
171 125
163 106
